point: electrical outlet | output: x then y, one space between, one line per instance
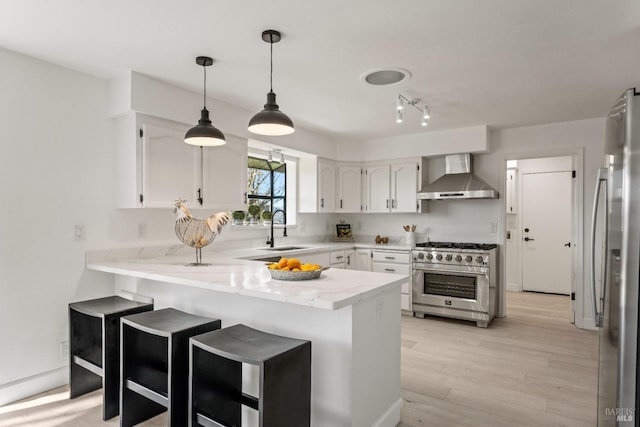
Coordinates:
64 351
78 232
494 227
142 231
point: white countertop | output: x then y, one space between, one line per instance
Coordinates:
336 288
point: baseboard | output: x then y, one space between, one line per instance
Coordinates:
35 384
391 417
514 287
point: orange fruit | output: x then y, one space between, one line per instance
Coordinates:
295 269
285 269
293 263
283 262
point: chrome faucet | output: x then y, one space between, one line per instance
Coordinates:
270 240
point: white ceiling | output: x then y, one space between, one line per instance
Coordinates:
503 63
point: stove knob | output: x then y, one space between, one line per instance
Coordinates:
468 258
449 257
420 255
479 259
429 257
458 258
438 257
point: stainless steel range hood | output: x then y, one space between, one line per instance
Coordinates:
458 182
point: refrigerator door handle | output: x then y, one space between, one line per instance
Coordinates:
602 178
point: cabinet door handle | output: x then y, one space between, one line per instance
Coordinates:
393 203
348 259
389 257
389 269
245 197
387 203
340 203
322 202
339 257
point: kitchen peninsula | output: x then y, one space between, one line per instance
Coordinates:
351 317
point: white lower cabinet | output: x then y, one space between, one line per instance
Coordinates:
343 259
396 262
321 258
362 259
350 259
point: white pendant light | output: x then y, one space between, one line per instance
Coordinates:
204 133
271 121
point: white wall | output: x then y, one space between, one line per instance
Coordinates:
56 171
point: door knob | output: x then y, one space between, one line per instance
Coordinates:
568 245
526 230
526 239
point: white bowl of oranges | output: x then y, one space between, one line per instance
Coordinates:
293 269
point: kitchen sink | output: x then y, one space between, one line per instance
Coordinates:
274 258
284 248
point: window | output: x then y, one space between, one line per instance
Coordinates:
266 186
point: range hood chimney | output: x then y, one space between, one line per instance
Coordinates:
458 182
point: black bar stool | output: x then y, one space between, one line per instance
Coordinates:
154 353
215 378
94 347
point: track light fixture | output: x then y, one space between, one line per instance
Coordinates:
271 121
204 133
415 103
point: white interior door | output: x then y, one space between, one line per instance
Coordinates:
546 232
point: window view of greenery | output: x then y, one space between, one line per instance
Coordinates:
266 187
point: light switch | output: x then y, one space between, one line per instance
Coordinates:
78 232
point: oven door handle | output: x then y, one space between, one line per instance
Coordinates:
480 270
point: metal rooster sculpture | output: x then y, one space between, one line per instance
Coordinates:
197 233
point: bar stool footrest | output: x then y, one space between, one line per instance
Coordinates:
88 366
148 393
205 421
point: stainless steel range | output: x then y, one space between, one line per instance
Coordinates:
455 280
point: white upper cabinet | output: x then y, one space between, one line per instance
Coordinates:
326 186
223 187
155 166
349 198
392 187
378 189
317 185
404 187
170 167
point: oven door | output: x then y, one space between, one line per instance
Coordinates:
447 287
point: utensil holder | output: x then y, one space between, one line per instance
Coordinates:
410 238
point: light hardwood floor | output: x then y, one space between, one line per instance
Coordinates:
532 368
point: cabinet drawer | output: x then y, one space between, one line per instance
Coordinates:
389 267
337 257
390 256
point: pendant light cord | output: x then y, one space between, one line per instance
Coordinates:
204 68
271 71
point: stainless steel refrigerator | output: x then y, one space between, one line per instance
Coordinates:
615 266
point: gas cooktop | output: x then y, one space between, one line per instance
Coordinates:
457 245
